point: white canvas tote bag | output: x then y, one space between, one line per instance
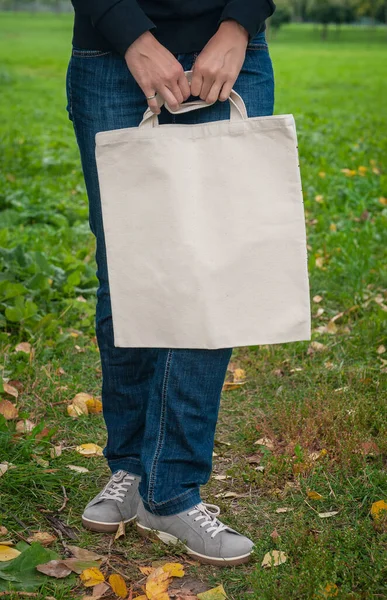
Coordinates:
205 232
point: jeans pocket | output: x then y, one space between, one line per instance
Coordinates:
258 42
83 53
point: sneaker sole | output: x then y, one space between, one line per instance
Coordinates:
101 527
167 538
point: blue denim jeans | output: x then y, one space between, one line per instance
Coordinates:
160 405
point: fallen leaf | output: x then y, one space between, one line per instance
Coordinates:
118 585
283 510
329 591
174 569
265 441
232 385
78 469
220 477
7 553
23 347
42 537
54 568
348 172
319 262
120 531
8 410
383 201
317 299
55 451
74 411
10 390
89 450
260 468
275 535
78 566
6 543
381 350
156 585
228 495
326 515
94 405
3 530
217 593
146 570
378 508
78 405
314 495
91 577
239 375
25 426
316 347
273 559
319 198
3 468
100 589
83 554
322 174
333 227
362 170
40 461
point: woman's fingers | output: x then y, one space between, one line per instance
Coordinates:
169 98
151 98
184 87
225 92
213 94
196 83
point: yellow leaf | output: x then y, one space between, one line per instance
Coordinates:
8 410
142 597
78 405
89 450
118 585
319 198
146 570
333 227
362 170
91 577
217 593
7 553
383 201
232 385
174 569
320 262
378 508
239 375
329 591
322 174
74 411
273 559
348 172
94 405
314 495
157 585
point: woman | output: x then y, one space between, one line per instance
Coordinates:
161 405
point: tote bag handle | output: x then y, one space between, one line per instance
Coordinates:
238 110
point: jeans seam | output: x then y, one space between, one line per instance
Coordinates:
70 99
161 436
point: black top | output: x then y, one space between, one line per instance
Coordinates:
180 25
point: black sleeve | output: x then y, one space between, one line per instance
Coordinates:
248 13
121 22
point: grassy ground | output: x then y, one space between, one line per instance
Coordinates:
329 396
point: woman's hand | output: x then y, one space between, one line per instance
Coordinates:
156 70
218 65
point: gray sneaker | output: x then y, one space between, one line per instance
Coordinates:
117 502
203 535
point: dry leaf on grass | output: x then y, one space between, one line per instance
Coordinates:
78 469
118 585
273 559
42 537
326 515
329 591
285 509
8 410
217 593
23 347
317 299
378 508
315 347
54 568
90 449
174 569
3 530
146 570
25 426
3 468
100 589
265 441
10 390
120 531
232 385
7 553
83 554
91 577
55 451
381 350
314 495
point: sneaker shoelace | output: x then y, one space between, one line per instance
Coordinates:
117 487
208 517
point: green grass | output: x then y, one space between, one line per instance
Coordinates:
305 401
